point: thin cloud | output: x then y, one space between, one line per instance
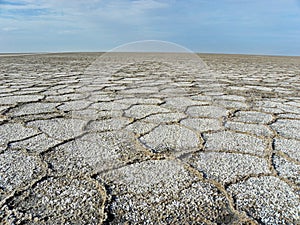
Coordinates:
19 5
10 3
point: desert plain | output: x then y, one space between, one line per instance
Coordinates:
149 138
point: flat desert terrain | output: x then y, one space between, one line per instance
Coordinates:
149 138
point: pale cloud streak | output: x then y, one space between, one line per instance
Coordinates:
79 13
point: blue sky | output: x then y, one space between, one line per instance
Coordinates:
217 26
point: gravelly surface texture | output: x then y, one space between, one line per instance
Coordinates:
149 139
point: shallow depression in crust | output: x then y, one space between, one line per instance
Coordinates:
134 92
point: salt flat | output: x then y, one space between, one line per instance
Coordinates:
135 138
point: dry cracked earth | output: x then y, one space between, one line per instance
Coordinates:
149 139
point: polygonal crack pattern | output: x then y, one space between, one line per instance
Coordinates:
58 201
280 204
17 170
149 139
167 193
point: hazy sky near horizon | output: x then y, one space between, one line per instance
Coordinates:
219 26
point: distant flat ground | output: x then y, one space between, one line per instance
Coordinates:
149 138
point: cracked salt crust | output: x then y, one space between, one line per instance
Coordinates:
149 138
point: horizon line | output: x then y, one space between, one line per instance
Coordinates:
142 52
